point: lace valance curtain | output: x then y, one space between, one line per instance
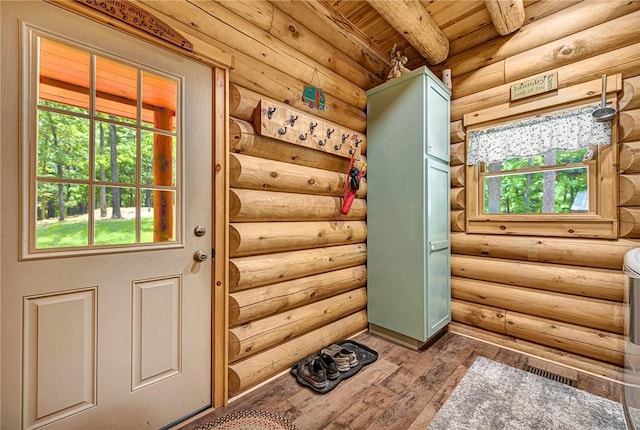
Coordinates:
567 131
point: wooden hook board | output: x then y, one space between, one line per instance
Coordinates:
282 122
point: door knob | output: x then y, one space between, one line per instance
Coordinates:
200 256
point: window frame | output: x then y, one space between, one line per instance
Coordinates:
600 222
29 153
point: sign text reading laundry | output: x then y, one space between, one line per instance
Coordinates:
530 87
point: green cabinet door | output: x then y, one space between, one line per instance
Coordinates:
438 253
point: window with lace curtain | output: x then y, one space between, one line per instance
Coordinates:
552 175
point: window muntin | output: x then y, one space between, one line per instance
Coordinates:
556 182
105 167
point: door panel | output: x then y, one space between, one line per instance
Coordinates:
156 330
438 271
113 340
438 121
59 371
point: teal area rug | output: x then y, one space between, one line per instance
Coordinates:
495 396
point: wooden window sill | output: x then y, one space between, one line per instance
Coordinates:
587 226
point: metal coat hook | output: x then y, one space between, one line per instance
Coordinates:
303 136
312 125
321 143
329 131
345 137
357 141
292 120
282 131
270 111
337 147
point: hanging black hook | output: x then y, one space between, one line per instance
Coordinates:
337 147
292 120
312 125
270 111
321 143
329 132
282 131
345 137
303 136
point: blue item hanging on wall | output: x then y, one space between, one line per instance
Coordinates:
313 95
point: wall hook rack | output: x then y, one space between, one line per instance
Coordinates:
284 123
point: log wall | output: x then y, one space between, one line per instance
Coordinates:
553 297
297 266
629 146
297 270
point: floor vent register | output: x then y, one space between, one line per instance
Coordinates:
550 375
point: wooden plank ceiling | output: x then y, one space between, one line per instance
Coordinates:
464 23
65 78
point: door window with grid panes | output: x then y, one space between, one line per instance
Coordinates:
105 166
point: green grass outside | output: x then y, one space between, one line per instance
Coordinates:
64 234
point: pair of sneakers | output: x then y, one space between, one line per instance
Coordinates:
344 358
318 370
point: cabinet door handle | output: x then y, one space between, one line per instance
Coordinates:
438 245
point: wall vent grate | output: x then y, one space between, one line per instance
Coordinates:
550 375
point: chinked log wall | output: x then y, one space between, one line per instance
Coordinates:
556 298
297 270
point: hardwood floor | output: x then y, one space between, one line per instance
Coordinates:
402 390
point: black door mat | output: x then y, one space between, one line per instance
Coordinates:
365 356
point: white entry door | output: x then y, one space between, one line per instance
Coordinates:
106 173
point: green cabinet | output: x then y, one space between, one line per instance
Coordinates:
408 244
